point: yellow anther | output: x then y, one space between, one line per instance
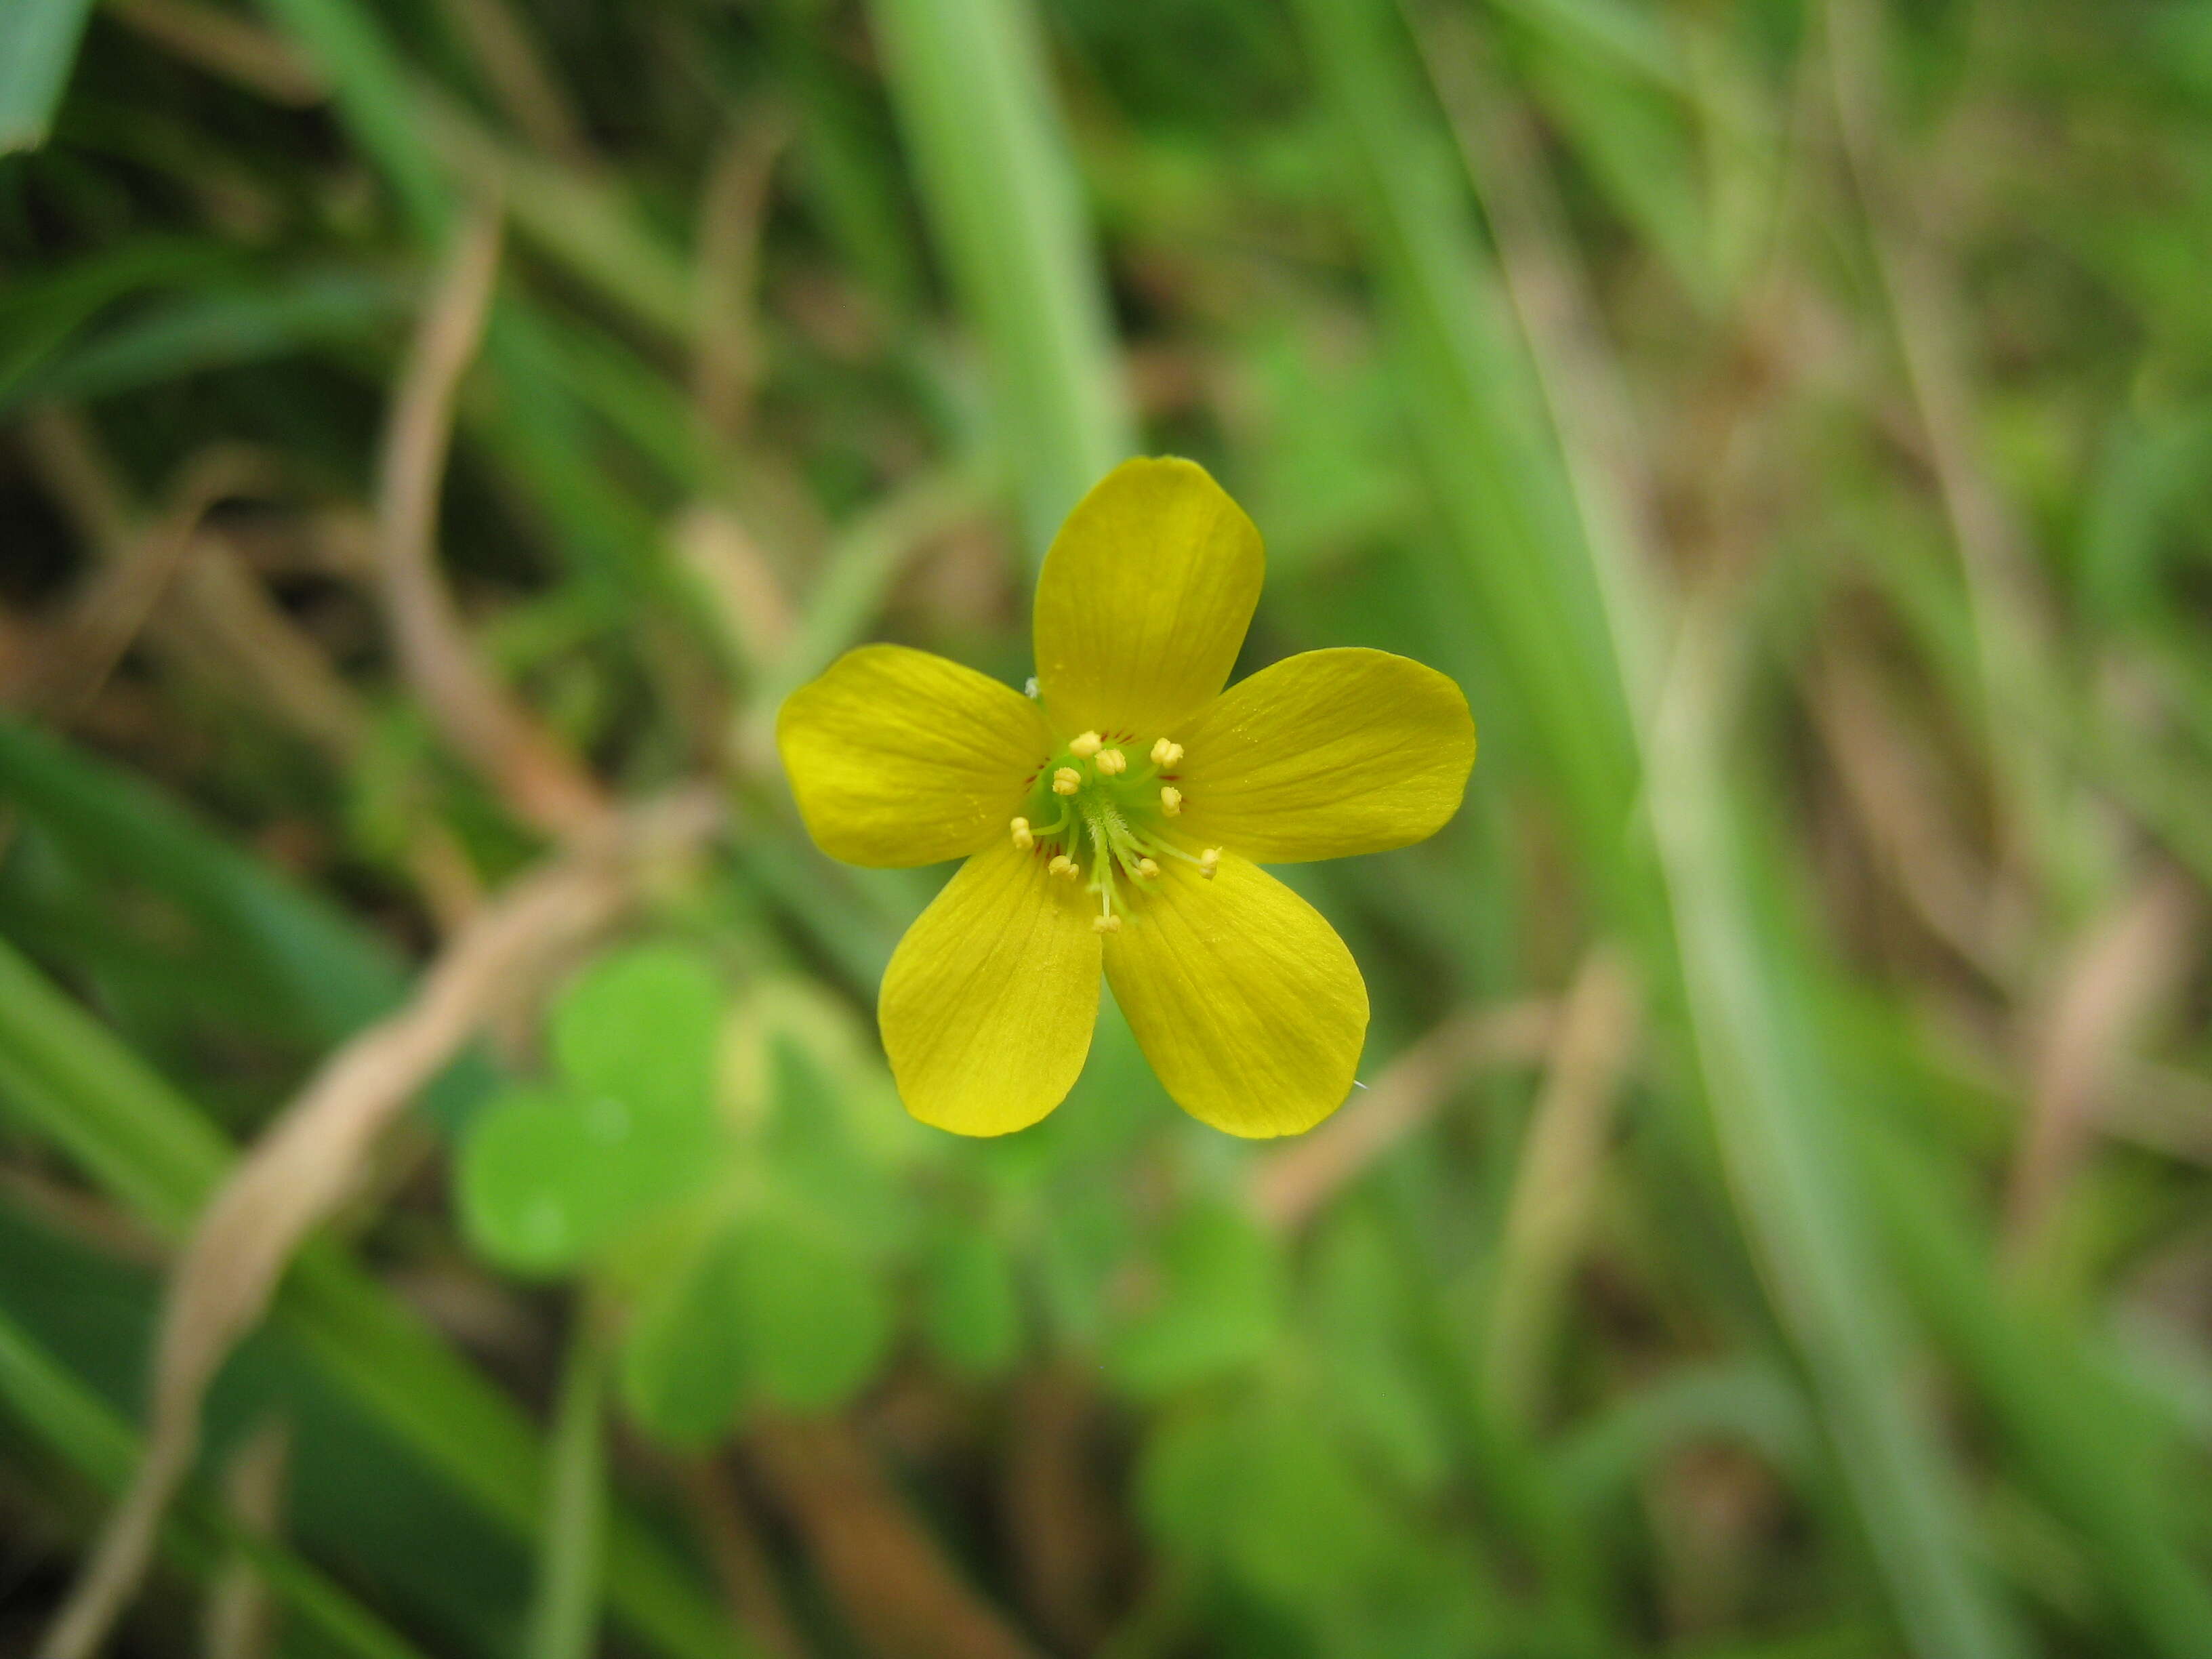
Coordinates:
1022 839
1062 865
1209 861
1109 923
1171 799
1067 781
1086 745
1146 867
1113 763
1165 753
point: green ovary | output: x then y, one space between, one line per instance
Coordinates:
1099 814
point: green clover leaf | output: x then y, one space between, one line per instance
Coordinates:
549 1175
773 1309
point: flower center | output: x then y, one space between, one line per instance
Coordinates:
1099 814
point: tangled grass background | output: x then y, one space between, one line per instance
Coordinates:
434 435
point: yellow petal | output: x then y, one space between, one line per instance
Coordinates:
1327 753
898 757
989 1002
1242 996
1144 600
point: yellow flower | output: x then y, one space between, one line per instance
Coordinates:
1114 818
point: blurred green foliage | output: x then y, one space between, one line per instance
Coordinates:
1777 1229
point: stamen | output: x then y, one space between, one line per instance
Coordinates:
1107 824
1101 871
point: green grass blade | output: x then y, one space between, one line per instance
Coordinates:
1632 37
564 1619
375 100
1577 653
42 311
215 328
1779 1120
64 1077
1006 208
38 44
79 1428
1515 578
332 974
2079 1439
588 224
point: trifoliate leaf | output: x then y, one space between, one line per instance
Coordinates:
684 1364
818 1322
769 1309
1215 1303
643 1026
547 1176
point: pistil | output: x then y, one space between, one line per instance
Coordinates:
1101 818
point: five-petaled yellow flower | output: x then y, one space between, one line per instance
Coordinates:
1114 817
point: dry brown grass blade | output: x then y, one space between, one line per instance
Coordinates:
137 573
221 625
225 631
1061 1531
1555 1184
1891 784
869 554
307 1162
224 616
542 782
240 1615
904 1599
739 1557
733 208
2013 616
91 1219
520 78
2133 959
744 595
227 44
2164 1108
2004 585
82 479
1289 1185
1550 291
